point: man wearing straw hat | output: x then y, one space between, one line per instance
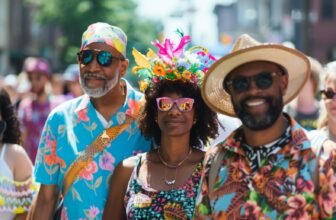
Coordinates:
270 167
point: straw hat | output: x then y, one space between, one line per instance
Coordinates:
248 50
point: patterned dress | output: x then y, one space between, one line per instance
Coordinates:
143 202
284 186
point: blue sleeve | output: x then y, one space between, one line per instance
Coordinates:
48 164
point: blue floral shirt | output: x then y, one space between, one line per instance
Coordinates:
69 129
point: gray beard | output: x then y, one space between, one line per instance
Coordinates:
103 90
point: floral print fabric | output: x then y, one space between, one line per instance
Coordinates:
69 129
282 188
143 202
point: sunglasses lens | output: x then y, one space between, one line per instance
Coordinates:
104 58
329 94
164 104
185 104
264 80
86 56
240 84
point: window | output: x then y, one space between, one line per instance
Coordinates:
327 7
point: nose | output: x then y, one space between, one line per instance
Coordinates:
253 88
94 65
174 110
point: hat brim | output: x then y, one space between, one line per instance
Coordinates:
294 62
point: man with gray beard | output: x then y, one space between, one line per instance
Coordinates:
85 138
270 167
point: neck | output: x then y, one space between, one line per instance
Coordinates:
110 103
262 137
332 129
174 149
41 97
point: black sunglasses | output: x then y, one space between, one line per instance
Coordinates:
328 94
263 80
104 58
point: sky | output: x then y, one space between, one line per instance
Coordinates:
174 15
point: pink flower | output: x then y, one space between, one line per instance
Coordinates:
90 169
82 115
93 212
167 50
304 186
327 193
106 161
298 209
64 213
134 108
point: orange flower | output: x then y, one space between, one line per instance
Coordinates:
186 74
159 69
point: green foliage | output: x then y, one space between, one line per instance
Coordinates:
73 17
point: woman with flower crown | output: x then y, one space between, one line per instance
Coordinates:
163 183
16 187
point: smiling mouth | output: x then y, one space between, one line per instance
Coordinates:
255 102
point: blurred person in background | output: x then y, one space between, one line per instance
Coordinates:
305 108
327 119
57 84
33 110
84 139
16 185
72 85
10 84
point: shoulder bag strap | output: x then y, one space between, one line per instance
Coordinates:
86 156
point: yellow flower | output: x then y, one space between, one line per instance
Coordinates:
177 74
2 201
19 210
143 85
186 74
159 69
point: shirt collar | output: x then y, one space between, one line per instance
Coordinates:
299 140
131 106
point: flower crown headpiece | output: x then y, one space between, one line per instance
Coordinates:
172 63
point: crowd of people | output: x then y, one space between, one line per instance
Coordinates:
250 135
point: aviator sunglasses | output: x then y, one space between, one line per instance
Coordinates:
329 93
104 58
262 80
183 104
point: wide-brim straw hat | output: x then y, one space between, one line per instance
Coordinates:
245 50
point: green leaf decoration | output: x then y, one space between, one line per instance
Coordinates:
61 130
98 182
76 195
203 209
254 196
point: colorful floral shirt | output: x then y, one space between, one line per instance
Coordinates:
284 186
144 202
69 129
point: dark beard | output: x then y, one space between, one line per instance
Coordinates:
260 122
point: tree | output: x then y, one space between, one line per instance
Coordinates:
73 17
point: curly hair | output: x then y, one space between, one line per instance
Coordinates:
12 133
206 125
